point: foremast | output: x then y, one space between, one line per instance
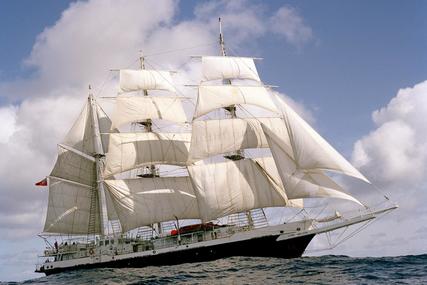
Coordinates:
147 124
99 156
151 170
238 154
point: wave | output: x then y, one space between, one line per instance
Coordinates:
327 269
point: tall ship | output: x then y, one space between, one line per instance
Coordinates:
170 179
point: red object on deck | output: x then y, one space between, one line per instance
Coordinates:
42 182
194 228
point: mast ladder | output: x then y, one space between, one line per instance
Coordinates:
116 227
93 211
145 233
258 218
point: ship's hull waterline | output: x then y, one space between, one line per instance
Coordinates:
267 246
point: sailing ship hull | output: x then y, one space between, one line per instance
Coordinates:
267 246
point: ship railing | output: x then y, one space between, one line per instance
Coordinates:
199 236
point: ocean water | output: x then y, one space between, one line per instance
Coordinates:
254 270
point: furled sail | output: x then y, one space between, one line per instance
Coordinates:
310 150
232 187
135 80
144 201
69 208
214 97
221 67
133 150
299 182
213 137
131 109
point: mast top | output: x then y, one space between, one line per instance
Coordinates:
221 38
141 59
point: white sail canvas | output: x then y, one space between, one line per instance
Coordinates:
231 187
69 208
136 80
145 201
214 97
221 67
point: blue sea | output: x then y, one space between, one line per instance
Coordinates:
411 269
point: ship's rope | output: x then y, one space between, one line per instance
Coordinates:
341 238
180 49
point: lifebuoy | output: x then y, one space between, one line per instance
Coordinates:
91 252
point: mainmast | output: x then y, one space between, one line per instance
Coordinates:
237 155
99 157
151 171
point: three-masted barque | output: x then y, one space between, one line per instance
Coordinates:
113 204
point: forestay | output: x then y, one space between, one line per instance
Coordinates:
135 80
133 109
301 183
213 137
232 187
228 67
69 208
133 150
145 201
214 97
310 150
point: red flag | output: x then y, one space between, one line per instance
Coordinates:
42 182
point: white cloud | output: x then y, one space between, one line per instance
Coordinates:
289 24
394 157
395 153
8 123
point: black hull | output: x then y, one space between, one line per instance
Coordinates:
257 247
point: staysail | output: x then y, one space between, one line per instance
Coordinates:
310 150
300 182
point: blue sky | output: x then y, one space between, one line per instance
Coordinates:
356 58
